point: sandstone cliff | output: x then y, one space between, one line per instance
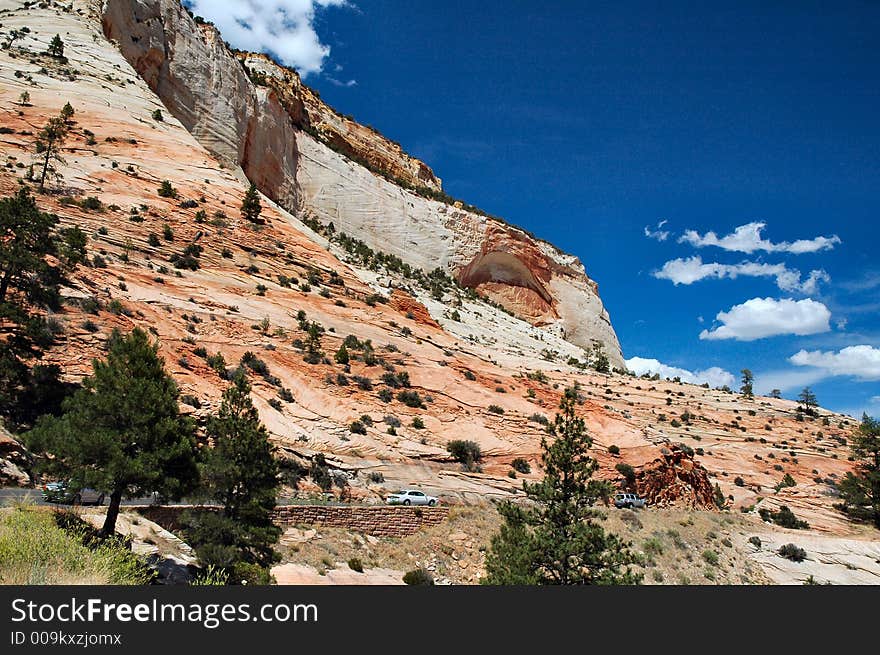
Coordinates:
320 164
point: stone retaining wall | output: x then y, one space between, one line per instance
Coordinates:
379 521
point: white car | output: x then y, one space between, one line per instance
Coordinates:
411 497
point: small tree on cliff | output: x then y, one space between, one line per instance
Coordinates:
250 205
747 380
241 474
122 433
557 539
860 490
808 401
56 47
48 146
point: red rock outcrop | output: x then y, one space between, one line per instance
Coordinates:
411 308
675 478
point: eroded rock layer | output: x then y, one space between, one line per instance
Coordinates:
317 163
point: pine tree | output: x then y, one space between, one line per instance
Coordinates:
776 393
808 401
558 538
241 474
600 359
56 47
860 490
48 146
342 356
250 206
122 433
35 257
67 112
314 354
747 380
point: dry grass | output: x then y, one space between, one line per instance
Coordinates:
35 550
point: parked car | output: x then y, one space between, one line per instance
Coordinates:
411 497
622 500
60 492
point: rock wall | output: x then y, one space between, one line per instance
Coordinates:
207 89
253 113
379 521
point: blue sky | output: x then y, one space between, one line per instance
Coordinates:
589 124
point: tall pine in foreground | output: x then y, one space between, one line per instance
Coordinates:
240 474
557 539
122 433
860 490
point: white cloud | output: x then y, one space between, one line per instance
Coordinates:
862 361
766 317
692 269
284 28
747 238
786 380
658 233
716 377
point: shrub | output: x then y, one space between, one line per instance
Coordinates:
166 190
495 409
465 452
157 115
755 541
627 471
153 239
710 557
357 427
614 450
792 552
418 576
376 476
411 399
540 419
469 376
385 395
652 546
739 482
418 423
520 465
784 517
356 565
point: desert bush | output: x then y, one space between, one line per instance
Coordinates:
792 552
418 576
465 452
520 465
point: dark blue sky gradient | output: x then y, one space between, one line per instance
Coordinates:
584 122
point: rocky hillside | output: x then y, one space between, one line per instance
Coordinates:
315 163
430 359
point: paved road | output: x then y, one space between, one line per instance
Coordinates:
11 494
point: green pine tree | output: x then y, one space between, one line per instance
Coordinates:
241 474
48 146
342 356
747 380
35 257
122 433
250 205
557 538
56 47
808 401
860 490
